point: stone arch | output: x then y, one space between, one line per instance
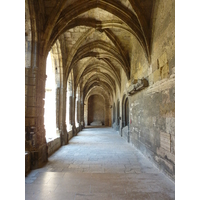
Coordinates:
96 113
50 105
100 78
56 56
69 107
100 68
98 90
111 53
77 107
125 111
114 111
118 112
130 19
101 84
125 118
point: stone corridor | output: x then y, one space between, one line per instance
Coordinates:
98 165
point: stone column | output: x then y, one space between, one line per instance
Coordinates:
57 108
63 126
34 114
81 110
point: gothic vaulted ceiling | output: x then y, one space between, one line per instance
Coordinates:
95 37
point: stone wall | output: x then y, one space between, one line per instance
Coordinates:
96 107
78 129
152 110
70 135
124 133
27 162
53 145
152 127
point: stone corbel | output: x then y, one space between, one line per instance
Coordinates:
137 85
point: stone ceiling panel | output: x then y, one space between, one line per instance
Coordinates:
97 35
72 35
106 32
99 15
126 39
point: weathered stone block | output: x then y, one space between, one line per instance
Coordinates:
26 90
165 141
173 144
31 90
156 75
26 100
165 165
171 64
28 59
167 110
165 154
151 79
173 70
165 97
26 80
30 121
170 125
31 112
32 81
165 71
172 94
31 101
163 59
27 71
155 66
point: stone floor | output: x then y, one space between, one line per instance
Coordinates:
98 165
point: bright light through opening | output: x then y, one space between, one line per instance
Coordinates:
50 101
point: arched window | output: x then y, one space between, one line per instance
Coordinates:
50 101
114 113
126 112
77 110
118 112
69 103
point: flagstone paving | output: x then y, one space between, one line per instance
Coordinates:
98 165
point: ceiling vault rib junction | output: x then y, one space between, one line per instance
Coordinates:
124 14
96 39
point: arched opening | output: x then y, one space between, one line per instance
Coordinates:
125 118
96 107
113 113
69 103
85 113
77 107
50 101
127 112
118 112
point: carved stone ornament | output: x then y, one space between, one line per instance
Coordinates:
137 86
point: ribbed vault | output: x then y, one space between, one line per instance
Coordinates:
95 40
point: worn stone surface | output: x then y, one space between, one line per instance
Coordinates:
98 164
152 126
53 145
